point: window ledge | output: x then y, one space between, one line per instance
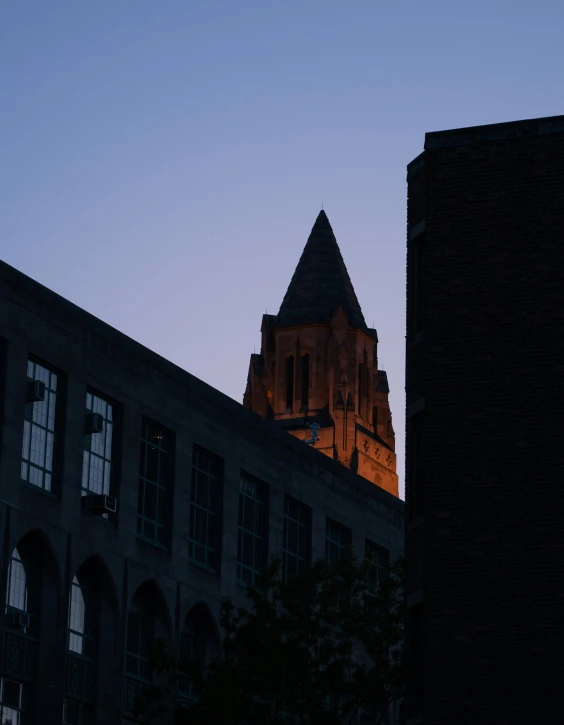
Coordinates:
205 567
153 544
42 491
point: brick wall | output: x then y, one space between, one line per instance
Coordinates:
486 557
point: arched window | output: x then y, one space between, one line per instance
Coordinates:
198 646
192 653
16 595
290 382
305 381
146 624
77 618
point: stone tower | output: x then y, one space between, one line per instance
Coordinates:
319 364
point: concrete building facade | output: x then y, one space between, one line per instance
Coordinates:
318 366
485 431
122 479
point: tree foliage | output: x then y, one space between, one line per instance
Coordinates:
321 649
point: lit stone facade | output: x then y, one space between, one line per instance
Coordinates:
319 365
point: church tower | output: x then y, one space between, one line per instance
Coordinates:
317 373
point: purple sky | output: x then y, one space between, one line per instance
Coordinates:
162 163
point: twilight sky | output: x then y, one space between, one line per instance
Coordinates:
163 161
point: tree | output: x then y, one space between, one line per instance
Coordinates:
324 648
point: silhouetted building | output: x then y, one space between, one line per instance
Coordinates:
124 481
318 365
485 425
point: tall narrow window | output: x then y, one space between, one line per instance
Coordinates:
360 384
10 701
16 596
337 540
305 381
297 538
379 561
77 614
98 446
155 474
205 508
290 382
253 531
191 655
139 642
39 426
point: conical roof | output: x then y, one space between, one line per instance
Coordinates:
321 283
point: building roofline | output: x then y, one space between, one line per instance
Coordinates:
86 329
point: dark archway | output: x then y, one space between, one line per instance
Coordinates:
200 644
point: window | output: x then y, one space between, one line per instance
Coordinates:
155 474
11 702
337 540
296 554
290 383
305 381
77 612
16 596
416 291
253 531
39 428
98 446
360 384
192 652
205 508
139 642
379 560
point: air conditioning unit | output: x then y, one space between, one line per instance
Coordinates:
35 391
71 712
11 694
18 620
94 423
100 503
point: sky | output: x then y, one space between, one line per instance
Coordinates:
163 161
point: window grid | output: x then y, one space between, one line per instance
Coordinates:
290 382
97 455
205 502
192 646
251 547
305 381
337 540
39 430
10 702
297 537
379 559
154 486
17 583
140 630
77 615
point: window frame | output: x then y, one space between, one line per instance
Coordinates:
382 569
261 536
329 524
307 530
57 432
113 461
211 545
167 491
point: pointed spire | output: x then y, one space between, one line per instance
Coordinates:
321 283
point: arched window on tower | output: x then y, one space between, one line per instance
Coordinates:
305 381
360 383
290 383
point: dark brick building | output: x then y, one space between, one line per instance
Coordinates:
122 481
485 425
